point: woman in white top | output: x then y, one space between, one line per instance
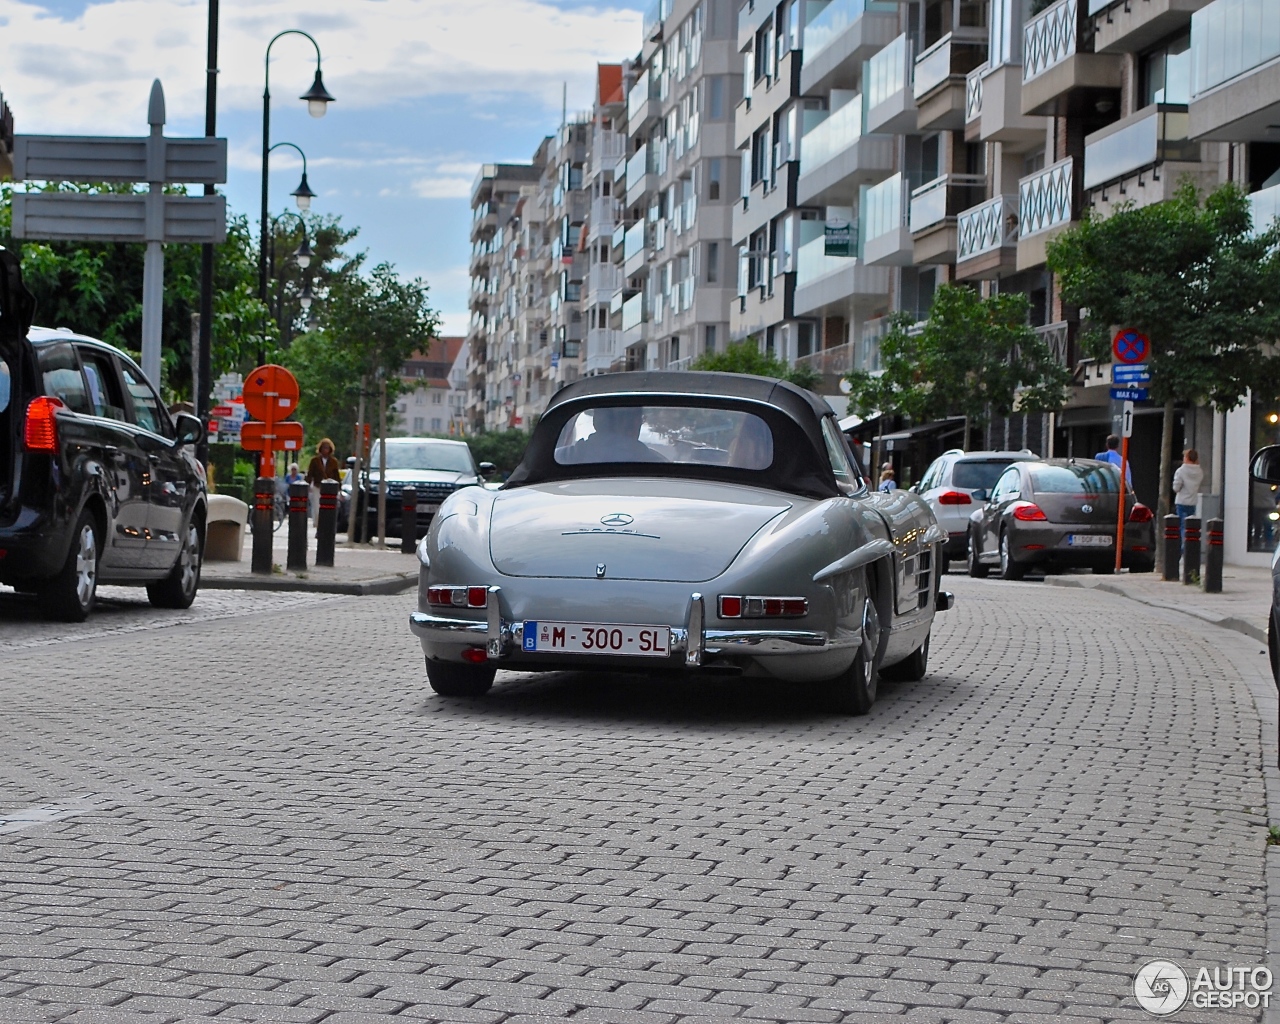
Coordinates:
1187 479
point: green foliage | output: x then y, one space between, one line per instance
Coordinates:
222 462
746 357
504 448
973 357
1193 277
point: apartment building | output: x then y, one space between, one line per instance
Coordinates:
675 235
428 405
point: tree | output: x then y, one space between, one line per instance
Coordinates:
974 357
1195 278
746 357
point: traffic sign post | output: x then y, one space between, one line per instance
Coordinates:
1130 373
1129 394
270 395
1130 346
1126 431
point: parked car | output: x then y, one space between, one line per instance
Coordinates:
1265 469
692 522
435 468
951 485
98 483
1059 513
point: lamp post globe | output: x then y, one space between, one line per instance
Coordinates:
317 97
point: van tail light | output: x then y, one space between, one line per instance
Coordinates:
458 597
735 607
1140 514
955 498
40 432
1029 513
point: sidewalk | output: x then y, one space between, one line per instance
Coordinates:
1243 604
360 570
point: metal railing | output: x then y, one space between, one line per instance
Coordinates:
1045 199
950 55
1058 338
604 278
683 363
986 227
828 361
946 196
1049 38
973 94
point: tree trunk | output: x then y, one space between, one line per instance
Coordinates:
356 514
1166 481
382 463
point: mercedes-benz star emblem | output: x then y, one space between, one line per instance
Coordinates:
1086 508
617 519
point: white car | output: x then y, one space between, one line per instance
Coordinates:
955 483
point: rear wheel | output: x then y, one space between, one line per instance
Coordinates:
178 589
71 594
1009 569
449 679
854 690
912 668
976 569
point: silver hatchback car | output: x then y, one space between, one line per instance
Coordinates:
954 484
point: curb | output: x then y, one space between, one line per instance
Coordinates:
1225 622
380 586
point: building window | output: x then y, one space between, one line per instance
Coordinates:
715 98
804 338
713 262
417 424
709 338
1165 72
715 168
435 398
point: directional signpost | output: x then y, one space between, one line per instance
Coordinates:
151 217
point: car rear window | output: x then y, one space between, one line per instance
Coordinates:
978 474
62 378
1074 479
663 433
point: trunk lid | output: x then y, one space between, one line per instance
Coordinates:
638 528
1078 509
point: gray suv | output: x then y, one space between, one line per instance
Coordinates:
955 484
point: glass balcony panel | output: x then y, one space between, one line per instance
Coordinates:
883 207
633 312
1049 38
637 165
633 242
813 263
944 197
1230 38
1266 207
832 136
1159 136
835 18
887 72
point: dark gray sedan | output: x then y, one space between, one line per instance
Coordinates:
1059 513
1265 469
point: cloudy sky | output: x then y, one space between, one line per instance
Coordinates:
426 91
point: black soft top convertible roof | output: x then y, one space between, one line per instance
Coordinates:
793 414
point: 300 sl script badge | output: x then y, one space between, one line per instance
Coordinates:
617 519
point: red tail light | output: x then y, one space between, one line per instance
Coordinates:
734 607
1029 513
40 432
475 655
955 498
458 597
1140 514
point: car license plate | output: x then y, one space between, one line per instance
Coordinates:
1090 540
597 638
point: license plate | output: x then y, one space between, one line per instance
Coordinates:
1090 540
597 638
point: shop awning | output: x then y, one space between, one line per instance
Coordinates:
940 428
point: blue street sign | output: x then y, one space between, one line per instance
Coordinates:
1127 375
1129 394
1118 368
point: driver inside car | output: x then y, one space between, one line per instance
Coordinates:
614 439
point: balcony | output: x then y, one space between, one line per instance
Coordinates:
634 317
1153 136
834 362
891 105
657 13
886 235
1058 61
993 109
603 216
1046 205
604 347
643 103
840 38
836 158
1058 337
987 240
940 80
1121 26
644 168
824 281
934 209
604 280
1235 73
634 255
484 221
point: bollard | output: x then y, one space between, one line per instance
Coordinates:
1213 557
298 494
327 521
1191 552
264 503
408 520
1172 544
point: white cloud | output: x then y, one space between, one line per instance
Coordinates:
92 73
442 188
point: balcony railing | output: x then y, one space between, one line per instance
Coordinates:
607 147
633 312
1049 38
645 89
835 19
948 56
637 166
831 137
947 196
834 361
633 245
1058 338
1266 207
888 72
884 207
812 262
604 279
1044 198
604 345
973 94
1230 38
657 13
986 227
680 364
1152 136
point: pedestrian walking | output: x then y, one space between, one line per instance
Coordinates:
1112 455
293 476
323 466
1187 479
887 482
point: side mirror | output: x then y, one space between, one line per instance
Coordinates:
189 428
980 494
1265 467
487 468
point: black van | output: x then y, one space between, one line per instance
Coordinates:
98 483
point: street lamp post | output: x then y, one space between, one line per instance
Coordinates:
302 256
317 99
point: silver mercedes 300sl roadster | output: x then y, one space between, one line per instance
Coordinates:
688 522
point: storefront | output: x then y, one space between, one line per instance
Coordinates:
1251 527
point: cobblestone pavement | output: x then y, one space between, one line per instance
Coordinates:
258 812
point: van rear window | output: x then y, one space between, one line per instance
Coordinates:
62 376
